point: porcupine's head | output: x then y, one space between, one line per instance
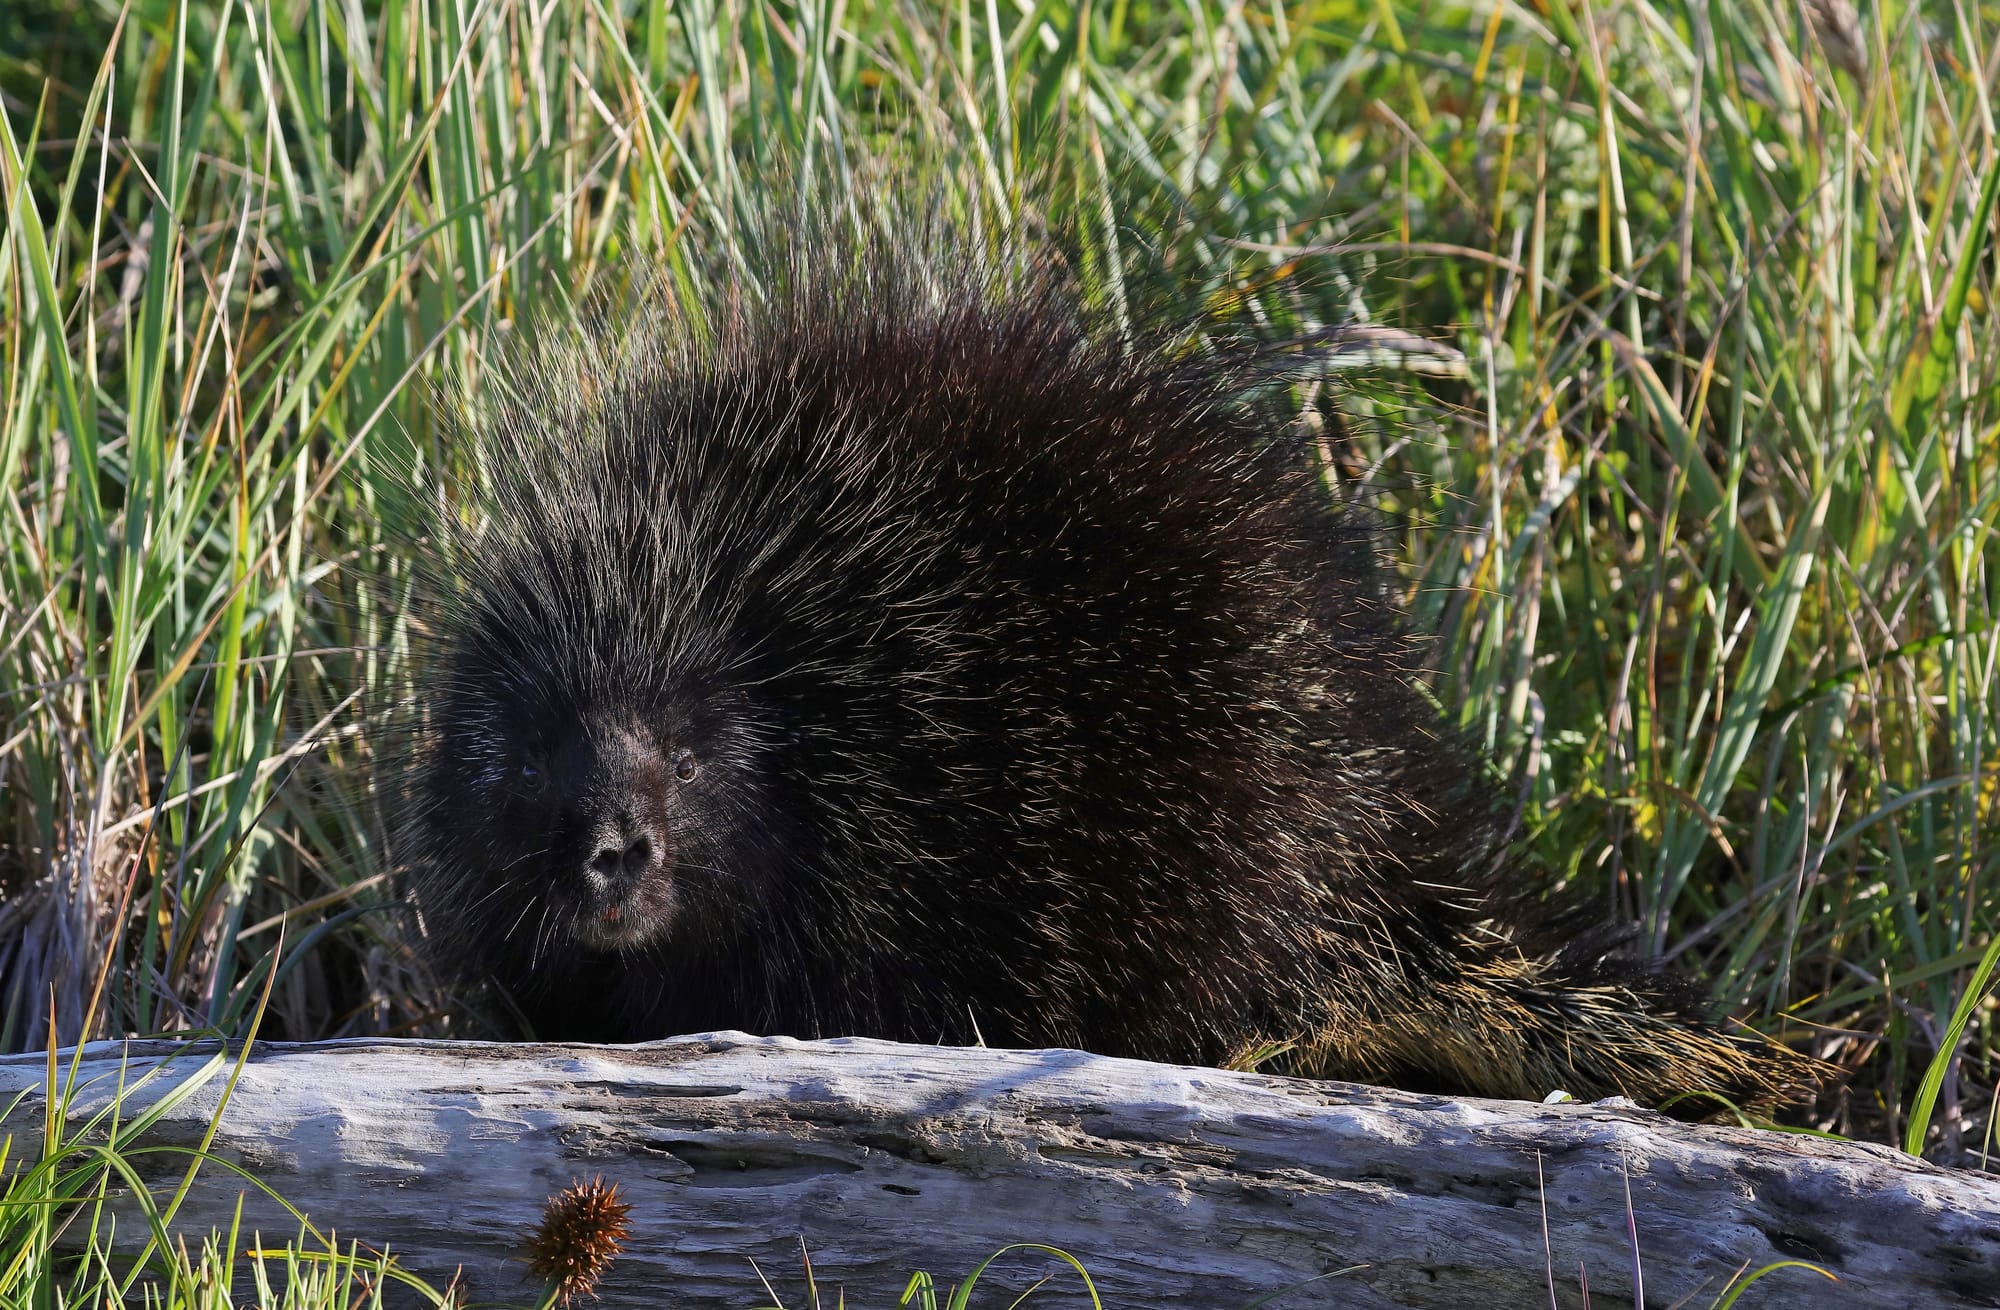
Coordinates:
603 818
588 770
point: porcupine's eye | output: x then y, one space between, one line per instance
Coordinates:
684 765
532 776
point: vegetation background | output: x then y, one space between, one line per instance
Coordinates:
1666 342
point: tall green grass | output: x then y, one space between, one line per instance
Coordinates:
1679 402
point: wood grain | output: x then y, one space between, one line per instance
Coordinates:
1174 1186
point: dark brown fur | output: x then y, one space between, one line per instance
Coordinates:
925 661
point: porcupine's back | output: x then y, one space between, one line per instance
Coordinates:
912 657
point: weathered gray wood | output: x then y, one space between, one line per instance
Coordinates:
1174 1186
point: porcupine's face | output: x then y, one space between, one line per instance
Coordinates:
611 826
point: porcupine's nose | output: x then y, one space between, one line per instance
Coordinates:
625 854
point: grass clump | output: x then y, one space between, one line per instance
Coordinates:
60 1207
1667 336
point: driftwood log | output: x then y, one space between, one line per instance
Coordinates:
1173 1186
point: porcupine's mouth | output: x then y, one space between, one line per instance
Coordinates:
621 922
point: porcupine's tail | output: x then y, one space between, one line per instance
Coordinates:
1501 1019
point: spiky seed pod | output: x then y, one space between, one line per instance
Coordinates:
905 653
583 1228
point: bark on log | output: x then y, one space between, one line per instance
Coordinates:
1174 1186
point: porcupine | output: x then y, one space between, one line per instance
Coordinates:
907 651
